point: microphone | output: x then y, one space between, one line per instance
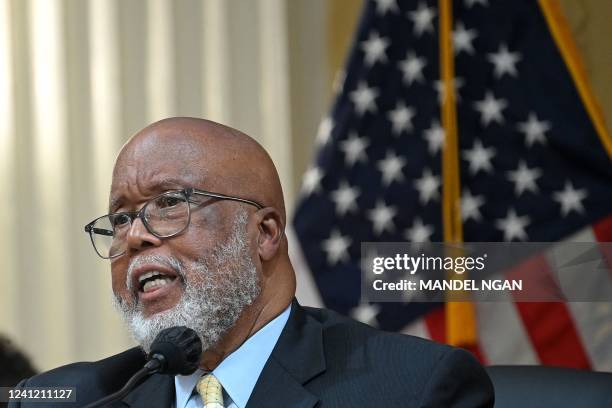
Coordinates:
175 350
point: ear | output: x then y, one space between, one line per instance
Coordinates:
271 230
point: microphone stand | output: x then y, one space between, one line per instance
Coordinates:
176 350
151 367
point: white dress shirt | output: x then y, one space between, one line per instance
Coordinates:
239 371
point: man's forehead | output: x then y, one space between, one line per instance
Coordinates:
161 182
126 189
160 155
135 180
166 143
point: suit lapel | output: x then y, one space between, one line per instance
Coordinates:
276 388
155 392
297 358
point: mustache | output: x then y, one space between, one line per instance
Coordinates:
166 261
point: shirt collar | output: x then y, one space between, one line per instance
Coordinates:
238 372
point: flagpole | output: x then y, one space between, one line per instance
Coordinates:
460 316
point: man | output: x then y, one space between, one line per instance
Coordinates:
195 237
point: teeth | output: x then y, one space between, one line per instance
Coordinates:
150 285
149 275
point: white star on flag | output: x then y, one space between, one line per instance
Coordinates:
462 39
470 206
391 168
384 6
471 3
435 137
513 226
490 109
366 313
534 129
324 132
336 247
364 98
374 49
345 198
401 118
312 180
479 157
524 178
382 217
412 68
570 199
504 61
440 89
428 186
418 232
354 149
422 19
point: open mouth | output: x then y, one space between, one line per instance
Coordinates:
154 280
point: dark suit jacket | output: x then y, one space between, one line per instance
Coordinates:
321 359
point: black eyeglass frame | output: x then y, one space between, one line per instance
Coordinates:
187 192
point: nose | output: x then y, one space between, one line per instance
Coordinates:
139 237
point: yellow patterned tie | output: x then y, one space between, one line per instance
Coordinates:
211 391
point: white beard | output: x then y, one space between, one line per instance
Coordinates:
219 289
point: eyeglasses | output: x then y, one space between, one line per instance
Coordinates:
164 216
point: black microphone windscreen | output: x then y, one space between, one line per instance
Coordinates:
181 348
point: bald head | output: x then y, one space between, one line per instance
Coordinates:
242 247
214 156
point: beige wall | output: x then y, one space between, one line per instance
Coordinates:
77 78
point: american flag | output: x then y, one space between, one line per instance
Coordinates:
533 167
